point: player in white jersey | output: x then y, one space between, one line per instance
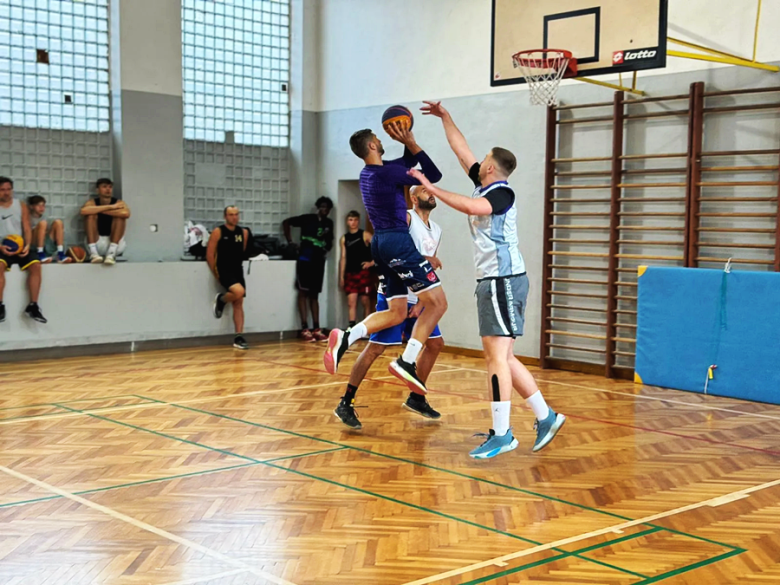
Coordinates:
426 236
502 285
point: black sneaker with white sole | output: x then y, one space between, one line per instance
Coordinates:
240 343
219 306
407 373
419 404
33 311
345 411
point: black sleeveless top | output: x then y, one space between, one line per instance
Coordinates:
357 251
230 248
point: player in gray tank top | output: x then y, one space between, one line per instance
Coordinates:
502 285
15 220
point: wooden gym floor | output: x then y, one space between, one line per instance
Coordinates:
215 467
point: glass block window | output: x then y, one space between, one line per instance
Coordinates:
54 64
236 62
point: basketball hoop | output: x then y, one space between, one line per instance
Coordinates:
543 70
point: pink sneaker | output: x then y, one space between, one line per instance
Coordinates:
319 335
338 343
306 335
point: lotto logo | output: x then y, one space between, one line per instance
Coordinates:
621 57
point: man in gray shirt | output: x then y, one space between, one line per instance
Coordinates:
15 220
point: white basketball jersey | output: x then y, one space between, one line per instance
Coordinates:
426 239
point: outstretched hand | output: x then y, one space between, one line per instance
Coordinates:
434 109
417 174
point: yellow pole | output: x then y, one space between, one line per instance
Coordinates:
724 60
610 85
755 34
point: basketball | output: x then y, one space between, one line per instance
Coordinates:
77 253
13 242
397 114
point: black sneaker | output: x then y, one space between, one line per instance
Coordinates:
33 311
219 306
418 403
407 373
2 312
240 343
346 413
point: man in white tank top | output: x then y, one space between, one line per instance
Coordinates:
15 220
426 236
502 285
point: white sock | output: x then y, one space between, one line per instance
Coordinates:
112 248
538 405
413 349
501 412
93 249
40 250
60 249
357 332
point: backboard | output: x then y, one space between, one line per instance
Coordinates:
606 36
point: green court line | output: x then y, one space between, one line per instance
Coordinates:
168 478
74 401
55 405
687 568
448 471
546 561
342 485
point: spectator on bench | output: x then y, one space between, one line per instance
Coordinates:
15 220
49 240
105 219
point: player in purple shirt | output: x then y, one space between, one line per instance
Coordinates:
401 266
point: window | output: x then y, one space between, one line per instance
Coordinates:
236 62
54 64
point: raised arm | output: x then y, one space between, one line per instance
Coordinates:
455 137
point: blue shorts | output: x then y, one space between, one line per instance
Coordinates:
400 264
401 332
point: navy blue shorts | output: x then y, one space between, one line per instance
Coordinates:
401 332
400 264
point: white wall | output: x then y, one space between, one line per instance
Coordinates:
407 50
142 301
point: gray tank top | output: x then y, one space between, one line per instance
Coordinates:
11 219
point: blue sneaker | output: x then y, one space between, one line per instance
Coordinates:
43 258
494 445
63 258
547 429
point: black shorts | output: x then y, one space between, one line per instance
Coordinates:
228 276
23 262
309 273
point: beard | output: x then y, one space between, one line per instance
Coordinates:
381 151
427 204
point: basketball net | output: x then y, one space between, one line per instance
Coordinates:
543 70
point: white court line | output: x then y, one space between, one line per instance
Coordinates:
644 397
209 578
158 404
147 527
392 377
617 528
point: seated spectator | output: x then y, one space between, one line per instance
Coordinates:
105 219
355 276
49 240
15 221
316 242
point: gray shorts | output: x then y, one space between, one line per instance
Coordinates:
501 306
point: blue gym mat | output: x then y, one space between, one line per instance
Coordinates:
690 319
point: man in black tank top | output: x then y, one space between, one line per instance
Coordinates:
105 221
355 276
225 257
